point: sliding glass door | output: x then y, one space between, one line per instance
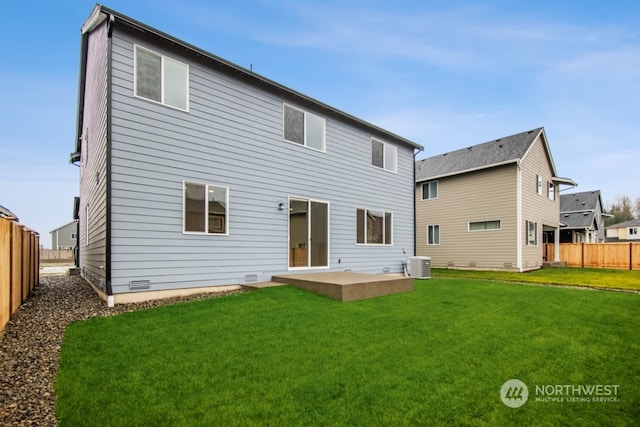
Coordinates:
308 233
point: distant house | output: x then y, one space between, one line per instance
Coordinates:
489 206
624 231
581 218
197 173
64 237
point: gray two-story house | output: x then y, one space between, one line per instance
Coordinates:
197 173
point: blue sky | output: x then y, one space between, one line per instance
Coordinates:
446 74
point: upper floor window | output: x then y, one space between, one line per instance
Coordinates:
539 184
205 208
384 155
161 79
430 190
301 127
373 227
551 191
485 225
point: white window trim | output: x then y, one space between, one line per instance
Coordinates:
305 115
539 184
206 211
162 89
429 183
429 226
384 156
384 216
551 191
486 229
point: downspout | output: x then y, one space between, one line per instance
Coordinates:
109 289
415 218
519 216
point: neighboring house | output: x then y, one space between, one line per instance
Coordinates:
64 237
197 173
489 206
581 217
624 231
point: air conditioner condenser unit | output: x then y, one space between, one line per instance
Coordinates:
419 267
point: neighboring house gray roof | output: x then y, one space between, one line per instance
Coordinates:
101 13
6 213
62 226
577 210
498 152
630 223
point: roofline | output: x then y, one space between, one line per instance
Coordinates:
582 211
95 19
461 172
63 226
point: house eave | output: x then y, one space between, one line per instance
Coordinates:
465 171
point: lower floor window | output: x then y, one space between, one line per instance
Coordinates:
433 235
205 208
532 233
374 227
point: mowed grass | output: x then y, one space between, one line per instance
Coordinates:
282 356
590 277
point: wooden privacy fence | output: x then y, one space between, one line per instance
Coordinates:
56 254
19 266
598 255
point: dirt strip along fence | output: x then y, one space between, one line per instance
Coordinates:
598 255
19 266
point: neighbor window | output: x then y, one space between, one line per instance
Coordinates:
373 227
430 190
161 79
485 225
633 231
551 190
433 235
532 233
539 184
205 208
384 155
303 128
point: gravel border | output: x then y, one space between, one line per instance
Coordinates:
30 344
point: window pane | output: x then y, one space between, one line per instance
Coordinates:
315 132
217 198
433 190
293 125
360 226
436 234
148 75
493 225
319 241
375 226
475 226
377 153
390 157
194 206
176 76
388 225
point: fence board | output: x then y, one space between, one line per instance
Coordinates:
5 271
625 255
56 254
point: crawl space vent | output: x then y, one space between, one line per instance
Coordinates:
139 284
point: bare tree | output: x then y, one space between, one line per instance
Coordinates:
621 209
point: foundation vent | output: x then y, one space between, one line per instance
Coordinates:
135 285
250 278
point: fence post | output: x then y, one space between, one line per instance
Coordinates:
630 256
5 271
582 253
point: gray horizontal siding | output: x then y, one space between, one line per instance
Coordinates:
232 136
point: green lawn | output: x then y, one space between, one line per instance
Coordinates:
282 356
591 277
